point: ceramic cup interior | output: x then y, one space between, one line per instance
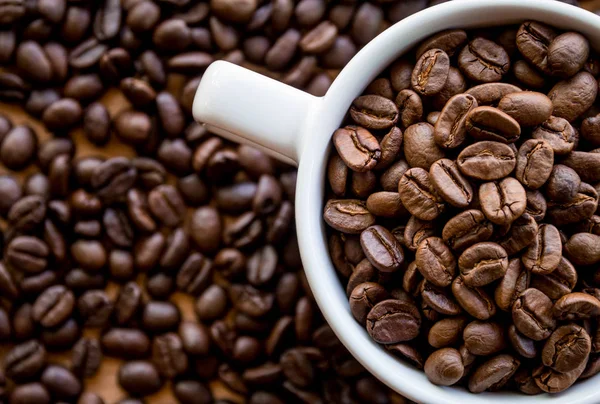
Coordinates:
294 126
366 65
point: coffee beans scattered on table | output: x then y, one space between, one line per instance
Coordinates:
463 208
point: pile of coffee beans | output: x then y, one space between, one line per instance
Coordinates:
463 208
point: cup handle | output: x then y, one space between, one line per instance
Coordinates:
247 107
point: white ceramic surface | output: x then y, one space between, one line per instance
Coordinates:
297 127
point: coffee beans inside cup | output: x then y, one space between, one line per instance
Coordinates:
462 206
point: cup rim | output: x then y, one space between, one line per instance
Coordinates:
325 118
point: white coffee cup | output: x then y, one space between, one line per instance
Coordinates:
296 127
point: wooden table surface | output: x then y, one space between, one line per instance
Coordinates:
105 383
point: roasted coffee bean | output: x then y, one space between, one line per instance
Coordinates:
18 147
572 97
450 183
25 360
444 367
27 254
30 392
418 196
484 338
450 127
503 202
465 229
420 148
446 332
348 216
435 261
430 72
534 163
166 204
381 248
491 93
550 381
374 112
533 40
392 321
483 263
139 378
61 383
487 160
160 316
86 357
357 147
526 107
363 297
125 343
544 254
566 349
521 234
484 61
95 308
524 346
410 107
113 178
515 281
532 314
576 306
493 374
488 123
53 306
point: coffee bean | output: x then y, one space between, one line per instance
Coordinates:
430 72
25 360
491 93
488 123
191 391
486 160
112 178
357 147
374 112
551 381
53 306
166 204
534 163
435 261
576 306
533 40
483 263
483 60
27 254
86 357
392 321
418 196
532 315
566 349
444 367
29 393
139 378
349 216
474 300
544 254
583 86
446 332
18 147
125 343
95 308
450 183
450 128
381 248
467 228
493 374
567 53
502 202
